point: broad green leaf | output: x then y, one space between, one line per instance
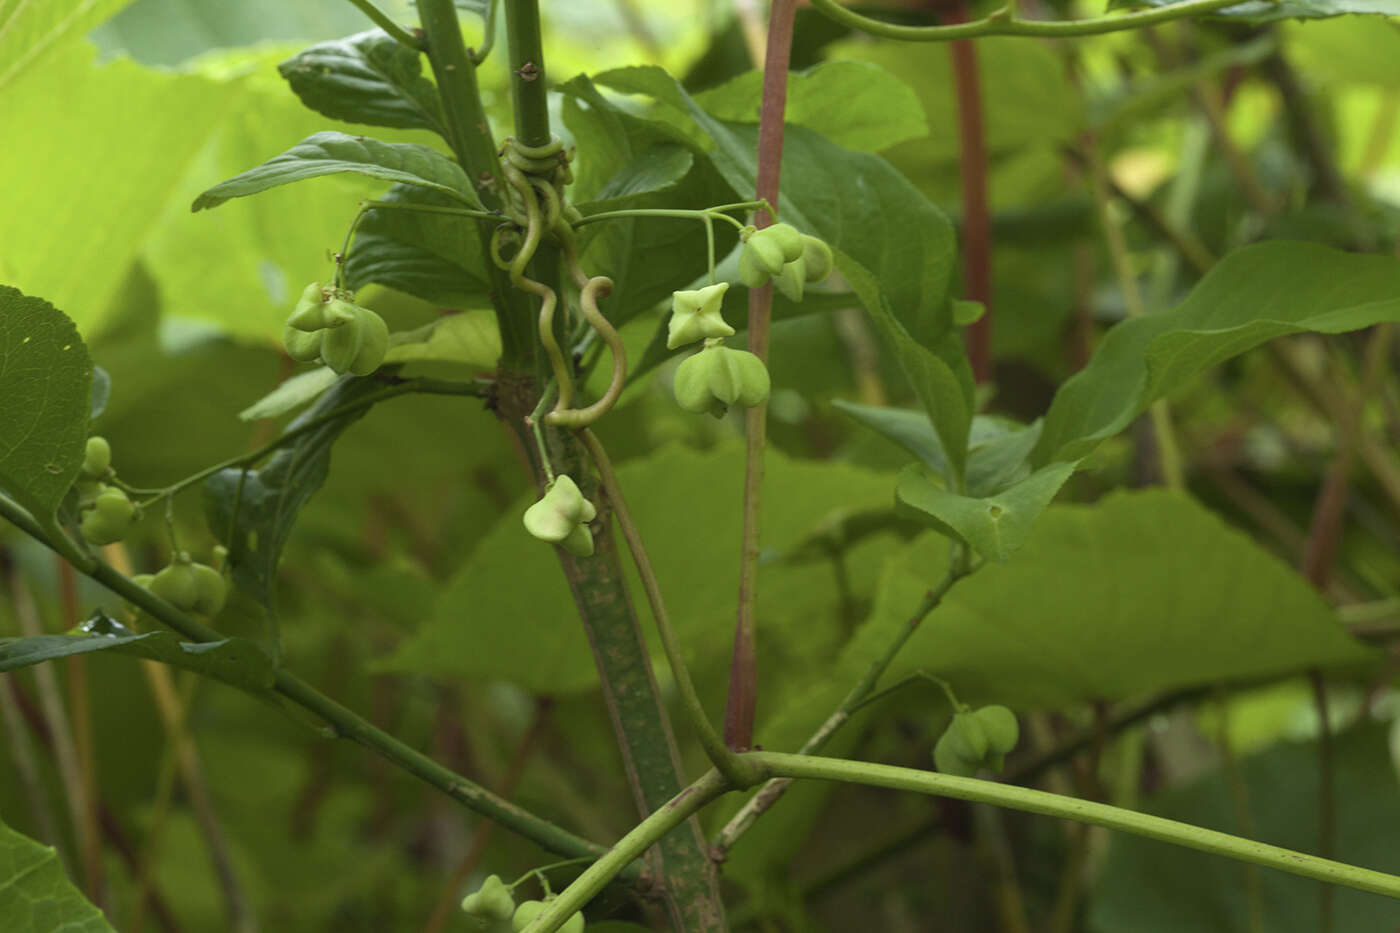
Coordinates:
1144 591
1269 11
1348 50
436 257
993 526
856 105
470 337
266 501
543 648
29 30
945 388
855 201
232 660
366 78
330 153
1253 295
627 162
45 399
292 394
1278 789
36 896
998 449
174 32
99 218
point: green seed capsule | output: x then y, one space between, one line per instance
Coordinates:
310 312
559 512
695 315
1000 726
302 346
526 913
767 254
178 585
211 590
718 377
969 738
750 272
356 345
948 761
491 902
97 457
109 519
787 238
818 258
791 280
579 542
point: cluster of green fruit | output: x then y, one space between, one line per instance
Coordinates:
976 739
187 585
106 513
328 326
561 517
718 377
494 910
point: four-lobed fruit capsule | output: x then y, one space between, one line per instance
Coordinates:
976 739
718 377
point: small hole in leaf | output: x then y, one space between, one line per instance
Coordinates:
994 511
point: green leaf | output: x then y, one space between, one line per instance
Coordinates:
268 500
366 78
857 105
292 394
1270 11
100 218
470 338
232 660
993 526
36 896
1346 50
543 648
627 162
45 399
330 153
1253 295
1279 788
436 257
1144 591
855 201
28 31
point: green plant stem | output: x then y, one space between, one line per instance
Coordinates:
527 82
709 212
1168 453
773 790
628 849
742 701
405 387
1082 811
344 722
430 209
1005 23
488 40
725 761
382 20
469 135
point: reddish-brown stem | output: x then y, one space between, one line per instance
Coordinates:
976 219
743 670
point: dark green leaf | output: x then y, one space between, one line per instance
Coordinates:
1143 591
266 501
36 896
1253 295
330 153
366 78
1269 11
232 660
993 526
436 257
45 400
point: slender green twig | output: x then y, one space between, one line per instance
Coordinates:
770 793
405 387
344 722
1005 23
628 849
709 213
1082 811
382 20
488 41
723 759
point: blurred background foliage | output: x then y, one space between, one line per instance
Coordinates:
409 593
